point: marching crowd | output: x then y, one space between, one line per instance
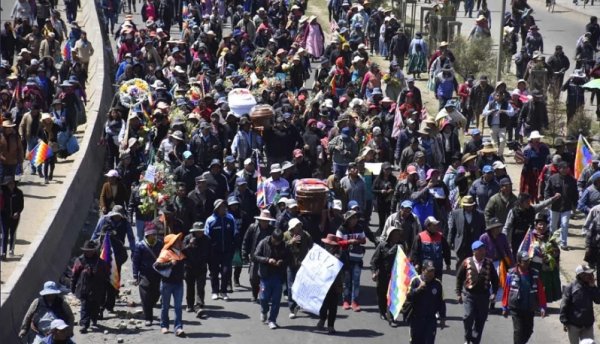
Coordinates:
200 182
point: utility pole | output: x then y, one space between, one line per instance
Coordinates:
500 39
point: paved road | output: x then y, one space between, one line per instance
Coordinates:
237 321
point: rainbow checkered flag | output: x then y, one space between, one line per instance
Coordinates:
402 273
583 156
40 153
108 256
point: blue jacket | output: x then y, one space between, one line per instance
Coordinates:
222 232
143 259
589 198
123 228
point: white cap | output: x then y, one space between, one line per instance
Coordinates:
337 204
58 324
291 203
112 173
293 223
498 165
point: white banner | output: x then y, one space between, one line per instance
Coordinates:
318 271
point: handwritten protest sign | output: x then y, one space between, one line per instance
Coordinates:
318 271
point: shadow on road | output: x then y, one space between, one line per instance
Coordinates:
207 335
225 314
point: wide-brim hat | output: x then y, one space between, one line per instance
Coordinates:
50 288
265 215
197 227
493 223
349 214
90 245
467 201
489 148
331 239
177 135
535 135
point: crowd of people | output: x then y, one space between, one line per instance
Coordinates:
43 74
216 130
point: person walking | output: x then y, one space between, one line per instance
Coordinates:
565 185
354 235
196 247
328 311
171 268
260 229
13 204
474 279
382 262
577 305
146 278
89 282
430 244
523 296
299 242
465 226
426 296
222 231
272 257
44 310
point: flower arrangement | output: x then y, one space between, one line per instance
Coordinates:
153 194
133 92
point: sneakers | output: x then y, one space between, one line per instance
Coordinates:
225 297
346 305
11 253
180 333
355 306
263 317
83 330
272 325
564 247
215 296
190 309
294 312
148 323
164 330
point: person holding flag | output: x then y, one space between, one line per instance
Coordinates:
89 282
523 296
426 297
382 263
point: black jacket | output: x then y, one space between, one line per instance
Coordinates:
577 305
143 258
196 252
13 202
265 251
567 187
462 234
203 203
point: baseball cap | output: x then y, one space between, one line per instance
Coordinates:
583 269
187 155
430 220
498 165
487 169
291 203
293 223
352 205
476 245
406 204
411 169
58 324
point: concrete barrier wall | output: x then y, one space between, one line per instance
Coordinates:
50 252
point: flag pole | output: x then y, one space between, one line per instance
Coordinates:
588 144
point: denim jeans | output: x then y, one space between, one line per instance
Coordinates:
270 292
166 290
352 280
291 276
139 227
563 217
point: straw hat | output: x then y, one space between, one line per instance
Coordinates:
488 147
265 215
